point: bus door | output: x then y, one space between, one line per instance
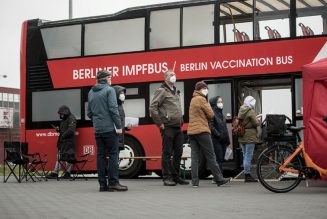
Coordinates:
273 96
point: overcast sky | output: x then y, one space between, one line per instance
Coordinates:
14 12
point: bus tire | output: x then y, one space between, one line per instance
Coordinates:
130 168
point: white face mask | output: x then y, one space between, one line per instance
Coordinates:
205 92
122 97
172 79
220 105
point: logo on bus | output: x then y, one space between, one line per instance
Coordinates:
88 149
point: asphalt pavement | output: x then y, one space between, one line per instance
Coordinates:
148 198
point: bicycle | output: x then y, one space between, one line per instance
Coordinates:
280 168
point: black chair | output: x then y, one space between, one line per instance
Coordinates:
30 166
15 161
77 165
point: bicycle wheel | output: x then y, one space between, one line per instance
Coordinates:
268 172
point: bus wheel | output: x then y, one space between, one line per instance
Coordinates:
130 168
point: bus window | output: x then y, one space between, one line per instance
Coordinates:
276 101
298 97
134 108
272 19
198 30
225 91
165 28
179 86
45 110
61 42
86 104
236 21
132 91
115 36
311 17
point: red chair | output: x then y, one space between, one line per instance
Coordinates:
237 35
277 34
270 32
245 37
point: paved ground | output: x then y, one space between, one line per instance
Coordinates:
147 198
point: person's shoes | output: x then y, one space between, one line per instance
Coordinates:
66 175
103 189
52 175
169 182
249 178
117 187
181 181
195 185
223 181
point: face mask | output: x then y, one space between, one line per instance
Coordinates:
122 97
205 92
173 79
220 105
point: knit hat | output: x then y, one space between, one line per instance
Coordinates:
200 85
102 74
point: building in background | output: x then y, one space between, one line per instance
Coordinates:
9 116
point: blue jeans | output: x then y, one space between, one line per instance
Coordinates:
107 145
247 150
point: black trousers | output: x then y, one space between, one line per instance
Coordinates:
172 150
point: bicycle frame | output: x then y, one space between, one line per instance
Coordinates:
307 159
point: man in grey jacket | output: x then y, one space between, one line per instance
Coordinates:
103 111
166 112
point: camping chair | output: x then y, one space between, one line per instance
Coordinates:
36 165
77 165
14 160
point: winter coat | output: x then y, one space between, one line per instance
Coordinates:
103 109
200 114
219 129
251 123
165 107
121 138
67 127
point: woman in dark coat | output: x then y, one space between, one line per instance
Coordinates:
66 141
121 93
219 131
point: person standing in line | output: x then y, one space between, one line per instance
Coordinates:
249 139
121 94
219 131
66 141
200 115
166 112
103 111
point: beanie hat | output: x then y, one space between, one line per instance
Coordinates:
102 74
200 85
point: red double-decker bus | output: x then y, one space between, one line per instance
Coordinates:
239 48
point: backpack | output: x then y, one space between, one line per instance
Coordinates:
238 127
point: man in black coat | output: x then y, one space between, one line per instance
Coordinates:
66 141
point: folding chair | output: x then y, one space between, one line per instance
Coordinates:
13 159
36 165
77 165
